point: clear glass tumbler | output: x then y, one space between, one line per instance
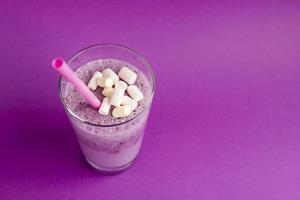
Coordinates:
113 152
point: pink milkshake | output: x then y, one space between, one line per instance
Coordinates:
109 144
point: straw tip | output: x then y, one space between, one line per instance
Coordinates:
57 62
96 103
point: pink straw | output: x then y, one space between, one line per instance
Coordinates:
63 68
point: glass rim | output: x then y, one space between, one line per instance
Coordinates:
121 47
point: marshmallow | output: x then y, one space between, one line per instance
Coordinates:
130 102
108 91
121 111
127 75
135 93
121 84
104 107
117 96
110 74
104 82
93 83
118 93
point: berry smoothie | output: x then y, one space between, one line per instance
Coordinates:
108 143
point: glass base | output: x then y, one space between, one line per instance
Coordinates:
106 170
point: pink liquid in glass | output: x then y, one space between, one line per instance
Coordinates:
108 144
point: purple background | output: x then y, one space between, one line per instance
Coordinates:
224 121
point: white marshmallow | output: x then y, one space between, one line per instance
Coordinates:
110 74
121 111
121 84
135 93
118 93
130 102
108 91
127 75
104 107
104 82
117 97
93 83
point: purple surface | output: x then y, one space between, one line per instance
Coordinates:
233 133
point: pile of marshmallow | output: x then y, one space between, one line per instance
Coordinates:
114 91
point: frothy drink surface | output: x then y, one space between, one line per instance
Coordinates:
84 111
107 145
